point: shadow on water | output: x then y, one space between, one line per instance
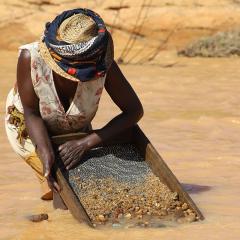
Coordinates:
195 188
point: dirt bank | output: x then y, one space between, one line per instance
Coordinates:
141 29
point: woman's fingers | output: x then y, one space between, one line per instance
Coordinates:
73 157
72 164
46 168
53 184
63 146
74 160
71 153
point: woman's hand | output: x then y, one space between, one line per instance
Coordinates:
72 151
48 159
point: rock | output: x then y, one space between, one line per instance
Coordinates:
128 215
137 208
139 212
178 213
116 225
189 211
101 218
120 215
38 217
163 212
184 206
146 224
157 205
190 218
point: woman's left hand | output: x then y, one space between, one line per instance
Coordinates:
72 151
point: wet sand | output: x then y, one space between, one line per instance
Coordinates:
192 118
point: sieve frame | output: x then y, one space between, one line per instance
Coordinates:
136 137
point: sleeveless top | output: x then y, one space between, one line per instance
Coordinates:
58 121
82 108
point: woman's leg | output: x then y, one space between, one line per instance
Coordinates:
35 163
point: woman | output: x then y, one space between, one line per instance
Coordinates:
59 84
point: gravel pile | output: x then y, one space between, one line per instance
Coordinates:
222 44
116 186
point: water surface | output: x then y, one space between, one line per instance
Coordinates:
192 118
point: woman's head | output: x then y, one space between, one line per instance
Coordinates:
77 45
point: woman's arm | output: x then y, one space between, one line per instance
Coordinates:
34 123
126 99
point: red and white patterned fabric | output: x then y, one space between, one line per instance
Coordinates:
58 121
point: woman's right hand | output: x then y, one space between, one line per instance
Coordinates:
48 159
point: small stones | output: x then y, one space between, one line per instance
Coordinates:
191 218
146 224
101 218
184 206
137 208
139 212
120 215
163 212
178 213
122 189
116 225
128 215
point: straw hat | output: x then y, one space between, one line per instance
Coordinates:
78 28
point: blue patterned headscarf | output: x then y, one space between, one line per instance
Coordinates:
85 60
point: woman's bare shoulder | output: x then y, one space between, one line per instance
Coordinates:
24 57
24 81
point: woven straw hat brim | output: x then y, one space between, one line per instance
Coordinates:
45 54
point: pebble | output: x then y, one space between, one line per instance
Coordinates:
189 211
178 213
101 218
146 224
163 212
184 206
116 225
38 217
120 215
139 212
191 218
128 215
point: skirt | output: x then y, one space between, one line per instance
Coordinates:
21 143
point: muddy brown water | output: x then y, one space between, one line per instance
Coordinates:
192 118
